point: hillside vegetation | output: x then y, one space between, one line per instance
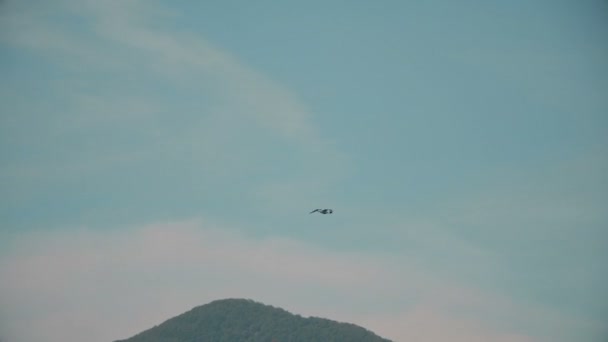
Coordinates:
236 320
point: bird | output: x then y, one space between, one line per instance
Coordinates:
323 211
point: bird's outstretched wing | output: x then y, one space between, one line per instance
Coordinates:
314 211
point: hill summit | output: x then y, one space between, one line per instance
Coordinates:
243 320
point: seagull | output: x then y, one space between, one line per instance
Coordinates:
322 211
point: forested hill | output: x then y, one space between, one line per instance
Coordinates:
243 320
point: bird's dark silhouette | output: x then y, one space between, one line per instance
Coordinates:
322 211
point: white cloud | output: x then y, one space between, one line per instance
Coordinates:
59 286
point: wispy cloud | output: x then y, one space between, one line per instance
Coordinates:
135 93
127 34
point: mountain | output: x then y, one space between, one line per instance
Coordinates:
243 320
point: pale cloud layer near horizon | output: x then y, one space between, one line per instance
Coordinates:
60 282
158 155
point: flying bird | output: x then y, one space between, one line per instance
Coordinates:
322 211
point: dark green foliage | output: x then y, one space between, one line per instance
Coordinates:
243 320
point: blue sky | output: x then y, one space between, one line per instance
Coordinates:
157 155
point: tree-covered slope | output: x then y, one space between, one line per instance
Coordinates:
236 320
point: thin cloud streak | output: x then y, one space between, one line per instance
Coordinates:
127 35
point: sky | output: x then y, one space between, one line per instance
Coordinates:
158 155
